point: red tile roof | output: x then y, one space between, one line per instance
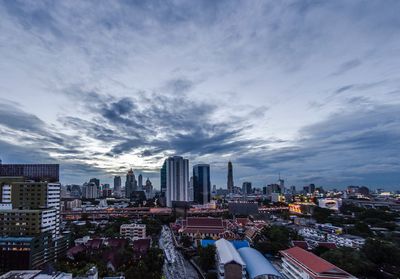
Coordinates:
313 264
203 222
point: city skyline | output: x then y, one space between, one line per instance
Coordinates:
308 90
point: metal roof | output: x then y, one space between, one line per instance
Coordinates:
257 264
227 252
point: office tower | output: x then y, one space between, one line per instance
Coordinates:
95 181
177 179
140 182
29 222
246 188
230 178
201 183
293 189
117 185
163 179
130 183
35 172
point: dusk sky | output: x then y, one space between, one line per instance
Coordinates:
310 89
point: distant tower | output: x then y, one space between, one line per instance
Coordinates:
230 178
281 183
140 182
130 183
117 185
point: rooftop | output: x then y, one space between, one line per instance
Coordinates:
312 263
257 264
227 252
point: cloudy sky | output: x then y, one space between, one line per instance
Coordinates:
310 89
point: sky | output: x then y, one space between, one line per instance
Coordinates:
307 89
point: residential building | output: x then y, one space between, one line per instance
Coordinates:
201 183
133 231
29 223
298 263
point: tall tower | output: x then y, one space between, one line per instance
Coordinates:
230 178
117 185
201 183
140 182
177 179
130 184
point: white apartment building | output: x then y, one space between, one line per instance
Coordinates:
133 231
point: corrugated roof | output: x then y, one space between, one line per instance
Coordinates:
227 252
312 262
256 263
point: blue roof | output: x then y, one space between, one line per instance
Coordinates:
256 263
236 243
16 239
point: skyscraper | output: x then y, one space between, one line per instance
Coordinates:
246 188
230 178
117 185
130 183
140 182
177 179
163 179
201 183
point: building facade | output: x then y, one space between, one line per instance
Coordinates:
130 184
298 263
177 179
133 231
36 172
117 185
201 184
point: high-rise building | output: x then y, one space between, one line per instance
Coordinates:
95 181
191 189
230 178
140 182
246 188
130 183
36 172
201 183
163 179
92 191
29 222
117 185
177 178
149 188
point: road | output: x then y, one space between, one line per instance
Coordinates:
175 265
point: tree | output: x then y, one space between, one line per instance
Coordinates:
321 214
206 257
382 252
273 239
186 241
350 260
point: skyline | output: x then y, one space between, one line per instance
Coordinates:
310 90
